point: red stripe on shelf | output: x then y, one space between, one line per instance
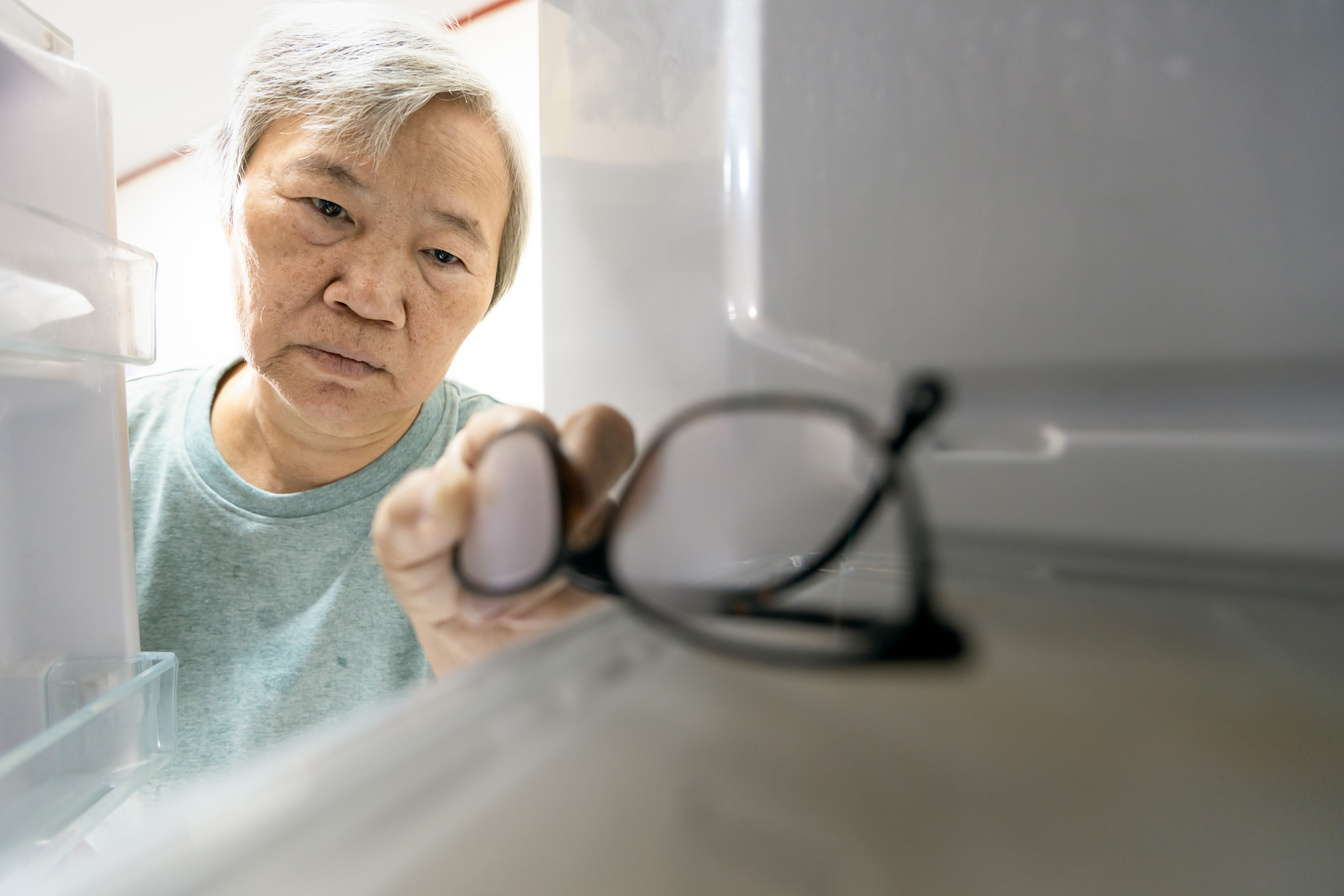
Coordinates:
463 21
154 165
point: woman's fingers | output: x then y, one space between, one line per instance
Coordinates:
414 528
426 515
422 516
599 444
472 440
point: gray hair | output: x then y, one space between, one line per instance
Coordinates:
356 72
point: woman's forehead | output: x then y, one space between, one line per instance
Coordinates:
442 131
445 155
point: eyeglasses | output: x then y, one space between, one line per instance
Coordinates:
731 530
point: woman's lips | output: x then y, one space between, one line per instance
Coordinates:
342 361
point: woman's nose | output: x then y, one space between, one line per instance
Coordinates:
370 282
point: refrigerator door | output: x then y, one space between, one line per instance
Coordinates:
84 718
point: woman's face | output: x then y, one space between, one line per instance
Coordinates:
355 283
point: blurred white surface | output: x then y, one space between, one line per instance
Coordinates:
1113 225
1097 742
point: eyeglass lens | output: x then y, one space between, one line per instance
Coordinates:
733 507
734 500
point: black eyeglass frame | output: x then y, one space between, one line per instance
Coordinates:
923 635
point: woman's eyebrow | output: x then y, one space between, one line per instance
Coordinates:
465 226
325 166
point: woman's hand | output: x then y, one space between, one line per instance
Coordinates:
424 516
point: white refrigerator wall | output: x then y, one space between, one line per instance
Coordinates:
67 583
1115 224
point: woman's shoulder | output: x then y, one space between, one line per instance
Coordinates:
158 382
467 399
159 399
148 393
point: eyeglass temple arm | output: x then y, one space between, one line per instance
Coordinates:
919 402
927 635
922 398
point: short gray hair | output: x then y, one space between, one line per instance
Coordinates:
356 72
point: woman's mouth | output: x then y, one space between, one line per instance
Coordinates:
343 362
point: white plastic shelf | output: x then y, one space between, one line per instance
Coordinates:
20 21
70 293
110 725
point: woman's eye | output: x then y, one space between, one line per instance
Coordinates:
442 257
329 209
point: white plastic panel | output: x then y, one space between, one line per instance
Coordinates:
69 291
632 118
73 303
58 151
1115 225
979 184
67 574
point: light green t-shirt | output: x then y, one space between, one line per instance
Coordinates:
276 609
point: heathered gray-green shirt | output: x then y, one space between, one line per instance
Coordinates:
274 605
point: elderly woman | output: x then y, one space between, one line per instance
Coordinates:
375 203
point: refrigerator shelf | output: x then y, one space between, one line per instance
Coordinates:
111 723
21 22
71 293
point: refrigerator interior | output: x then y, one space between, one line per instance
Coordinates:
1115 227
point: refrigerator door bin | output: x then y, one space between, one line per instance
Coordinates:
112 723
68 292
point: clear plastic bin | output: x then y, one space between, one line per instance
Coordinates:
71 293
111 724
